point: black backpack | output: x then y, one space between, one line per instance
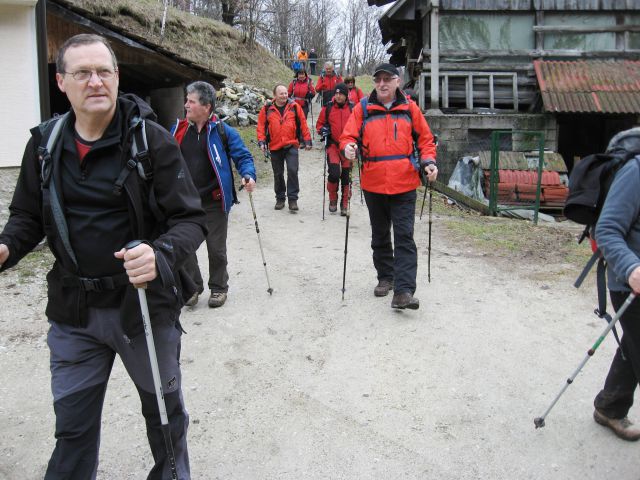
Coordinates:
589 184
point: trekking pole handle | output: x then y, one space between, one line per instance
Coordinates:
133 244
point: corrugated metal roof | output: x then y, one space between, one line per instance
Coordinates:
547 5
589 86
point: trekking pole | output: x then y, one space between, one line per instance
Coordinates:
155 371
324 174
539 421
429 246
359 154
313 128
266 153
346 238
255 220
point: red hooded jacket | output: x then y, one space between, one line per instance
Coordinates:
386 142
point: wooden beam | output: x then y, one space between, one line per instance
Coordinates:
570 29
461 198
536 53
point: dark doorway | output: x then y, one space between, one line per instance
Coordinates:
580 135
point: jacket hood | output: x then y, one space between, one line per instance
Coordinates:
131 106
625 144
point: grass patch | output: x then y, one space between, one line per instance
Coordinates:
519 240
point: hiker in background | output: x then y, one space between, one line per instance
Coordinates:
313 60
302 57
327 82
92 307
209 146
331 121
302 91
282 128
618 236
390 178
355 93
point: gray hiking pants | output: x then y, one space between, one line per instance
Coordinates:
81 360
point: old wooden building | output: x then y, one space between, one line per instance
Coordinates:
569 68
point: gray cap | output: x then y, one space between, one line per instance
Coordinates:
386 67
626 142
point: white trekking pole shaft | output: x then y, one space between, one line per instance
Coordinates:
155 370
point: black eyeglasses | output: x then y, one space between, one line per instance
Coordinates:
85 75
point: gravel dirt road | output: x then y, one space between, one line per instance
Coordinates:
301 384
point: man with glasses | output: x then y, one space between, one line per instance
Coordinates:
384 135
93 308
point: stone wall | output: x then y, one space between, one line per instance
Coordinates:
465 134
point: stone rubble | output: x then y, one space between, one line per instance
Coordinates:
238 104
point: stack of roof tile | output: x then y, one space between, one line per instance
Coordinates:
519 186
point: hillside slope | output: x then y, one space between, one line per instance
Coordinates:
207 42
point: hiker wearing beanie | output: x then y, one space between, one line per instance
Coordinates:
327 82
282 129
331 121
355 93
302 91
383 129
209 147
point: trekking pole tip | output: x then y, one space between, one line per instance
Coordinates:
270 290
538 422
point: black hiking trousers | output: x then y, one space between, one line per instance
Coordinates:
81 360
397 261
616 398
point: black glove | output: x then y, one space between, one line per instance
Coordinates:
325 131
310 95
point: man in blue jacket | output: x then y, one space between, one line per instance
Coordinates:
618 236
209 158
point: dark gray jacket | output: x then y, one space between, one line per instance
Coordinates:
618 228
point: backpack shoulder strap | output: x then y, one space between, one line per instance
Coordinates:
51 201
223 137
327 111
139 159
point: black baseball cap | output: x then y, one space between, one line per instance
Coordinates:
386 67
342 88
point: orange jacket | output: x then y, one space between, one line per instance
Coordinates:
387 144
282 128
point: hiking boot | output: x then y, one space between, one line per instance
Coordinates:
279 204
293 205
193 301
622 427
383 288
217 299
343 211
333 205
405 300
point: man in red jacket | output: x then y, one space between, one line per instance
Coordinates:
281 128
331 121
327 82
385 135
